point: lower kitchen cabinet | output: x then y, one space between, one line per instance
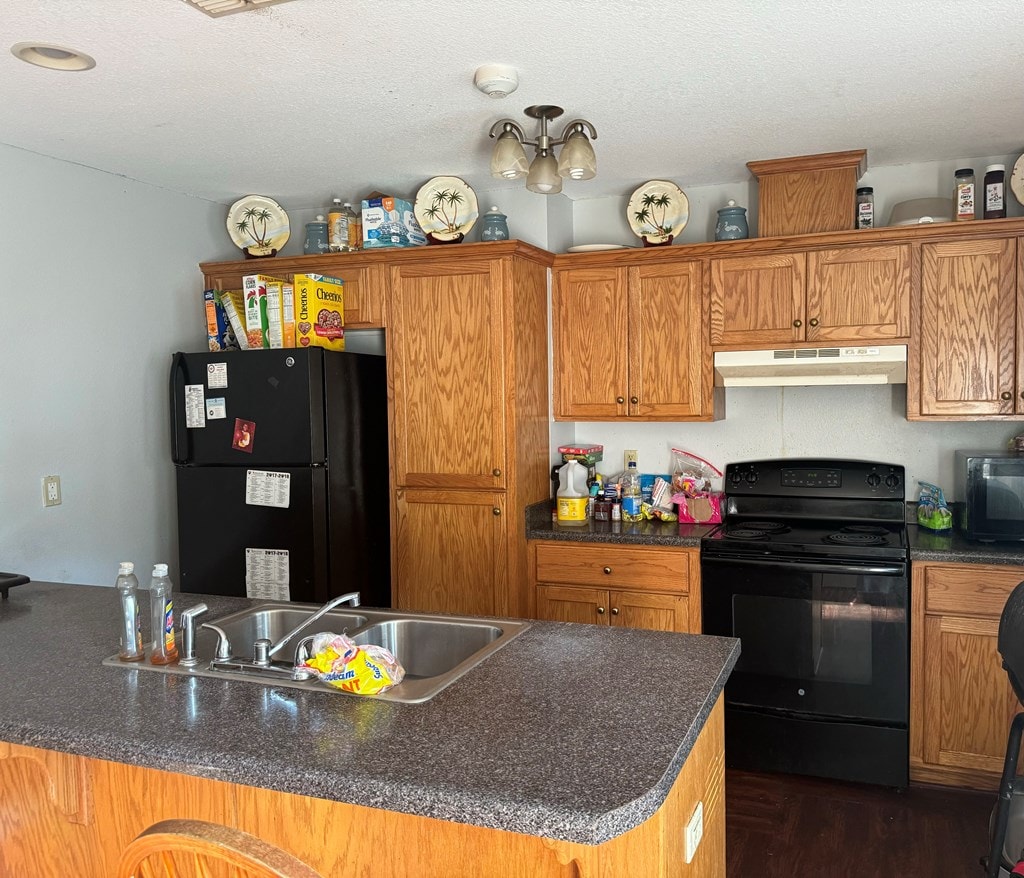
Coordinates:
961 701
655 587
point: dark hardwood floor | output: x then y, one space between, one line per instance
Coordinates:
783 825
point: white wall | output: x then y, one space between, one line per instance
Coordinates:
100 285
866 422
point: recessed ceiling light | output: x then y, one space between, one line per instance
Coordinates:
53 56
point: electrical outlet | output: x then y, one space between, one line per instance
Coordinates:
629 455
51 490
694 832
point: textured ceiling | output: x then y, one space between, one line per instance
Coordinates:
319 97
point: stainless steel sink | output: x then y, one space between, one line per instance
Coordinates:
435 650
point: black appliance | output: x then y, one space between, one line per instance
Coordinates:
281 459
810 570
990 488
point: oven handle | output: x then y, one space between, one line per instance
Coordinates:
889 570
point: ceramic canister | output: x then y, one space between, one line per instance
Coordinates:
732 223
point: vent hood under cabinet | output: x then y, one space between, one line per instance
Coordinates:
877 364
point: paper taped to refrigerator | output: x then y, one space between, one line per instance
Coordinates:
216 375
195 406
266 574
264 488
216 408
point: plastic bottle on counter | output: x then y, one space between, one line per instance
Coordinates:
337 226
161 609
995 192
572 494
963 194
130 627
631 495
355 227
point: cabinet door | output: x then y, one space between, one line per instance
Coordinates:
968 315
961 700
589 327
858 293
660 612
758 299
446 374
364 298
556 603
449 552
669 366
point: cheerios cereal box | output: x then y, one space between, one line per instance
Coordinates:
319 311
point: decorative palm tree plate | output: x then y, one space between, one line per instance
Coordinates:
258 225
657 211
446 209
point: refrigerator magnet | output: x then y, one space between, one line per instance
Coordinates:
195 406
216 408
216 375
245 433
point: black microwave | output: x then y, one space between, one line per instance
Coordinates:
990 487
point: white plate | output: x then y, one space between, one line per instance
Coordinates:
587 248
1017 180
446 208
657 211
258 225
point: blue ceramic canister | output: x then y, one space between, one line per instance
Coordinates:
495 227
732 223
316 237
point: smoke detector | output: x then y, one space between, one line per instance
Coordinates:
496 80
217 8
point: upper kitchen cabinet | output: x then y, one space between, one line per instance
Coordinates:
847 294
964 364
628 342
364 275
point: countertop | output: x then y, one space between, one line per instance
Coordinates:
539 526
557 734
926 545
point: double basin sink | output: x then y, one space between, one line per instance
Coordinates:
434 650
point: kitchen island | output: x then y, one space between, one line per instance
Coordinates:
573 750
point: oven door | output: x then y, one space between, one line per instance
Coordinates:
818 638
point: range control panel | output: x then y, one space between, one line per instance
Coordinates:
854 479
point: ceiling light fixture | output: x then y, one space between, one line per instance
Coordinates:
52 56
217 8
496 80
576 161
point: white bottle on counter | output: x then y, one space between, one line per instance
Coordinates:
572 494
130 626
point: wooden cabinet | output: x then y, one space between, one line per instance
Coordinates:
467 372
851 294
628 342
654 587
967 328
364 275
961 701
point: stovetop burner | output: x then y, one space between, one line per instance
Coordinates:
768 527
846 538
746 533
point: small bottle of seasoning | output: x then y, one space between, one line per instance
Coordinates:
865 207
963 194
995 202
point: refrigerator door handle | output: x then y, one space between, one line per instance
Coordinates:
179 434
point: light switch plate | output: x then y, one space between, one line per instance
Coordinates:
51 490
694 832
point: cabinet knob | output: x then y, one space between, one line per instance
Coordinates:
1006 395
798 323
813 321
495 472
620 399
607 570
634 399
600 611
615 611
496 511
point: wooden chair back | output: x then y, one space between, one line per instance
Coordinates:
198 849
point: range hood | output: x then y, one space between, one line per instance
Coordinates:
880 364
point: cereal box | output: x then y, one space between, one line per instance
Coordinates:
257 319
287 315
390 222
319 311
233 308
219 335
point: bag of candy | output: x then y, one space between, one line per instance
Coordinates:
932 511
362 670
698 488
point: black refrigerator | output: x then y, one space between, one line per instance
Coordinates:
281 459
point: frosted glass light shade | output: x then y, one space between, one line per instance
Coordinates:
577 160
543 176
508 161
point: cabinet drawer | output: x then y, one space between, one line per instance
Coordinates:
970 589
654 568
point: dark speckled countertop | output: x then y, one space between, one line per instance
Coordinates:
551 735
539 526
926 545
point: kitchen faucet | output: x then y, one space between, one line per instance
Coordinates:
351 597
